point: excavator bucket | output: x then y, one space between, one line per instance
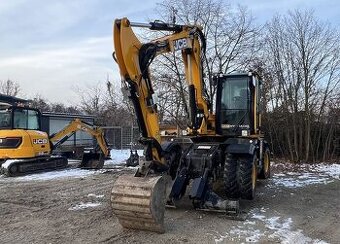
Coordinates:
139 202
92 160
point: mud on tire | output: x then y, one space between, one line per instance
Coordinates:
247 177
230 175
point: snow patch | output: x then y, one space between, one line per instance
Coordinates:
239 234
277 229
116 163
53 175
95 196
283 231
305 174
82 206
332 170
120 156
302 180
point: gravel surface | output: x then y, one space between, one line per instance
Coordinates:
299 204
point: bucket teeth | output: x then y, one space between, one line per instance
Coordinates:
139 203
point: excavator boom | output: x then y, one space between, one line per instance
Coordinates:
139 202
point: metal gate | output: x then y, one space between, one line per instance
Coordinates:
121 137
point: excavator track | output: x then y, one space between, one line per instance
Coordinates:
139 202
17 167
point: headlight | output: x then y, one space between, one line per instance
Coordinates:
10 142
244 132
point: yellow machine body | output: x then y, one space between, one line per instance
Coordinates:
24 148
225 146
32 143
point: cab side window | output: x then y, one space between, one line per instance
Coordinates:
26 119
20 119
32 120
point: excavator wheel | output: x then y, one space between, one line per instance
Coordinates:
173 160
265 171
139 202
230 177
92 160
247 177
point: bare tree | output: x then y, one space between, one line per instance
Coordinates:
231 44
40 103
44 105
93 100
9 87
302 56
119 110
105 101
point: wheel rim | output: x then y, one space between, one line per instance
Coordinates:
253 176
266 162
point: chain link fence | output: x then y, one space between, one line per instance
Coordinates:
121 137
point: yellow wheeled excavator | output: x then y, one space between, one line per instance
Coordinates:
225 148
24 148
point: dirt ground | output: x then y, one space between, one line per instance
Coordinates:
76 209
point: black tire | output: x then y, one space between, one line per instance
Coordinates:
247 177
231 184
265 170
172 159
172 162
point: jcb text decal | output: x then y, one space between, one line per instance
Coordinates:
180 44
40 141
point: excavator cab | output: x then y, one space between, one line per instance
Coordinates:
237 104
24 118
20 133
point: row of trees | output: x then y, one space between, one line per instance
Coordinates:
232 43
296 54
302 70
12 88
101 100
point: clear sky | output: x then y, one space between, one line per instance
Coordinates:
52 46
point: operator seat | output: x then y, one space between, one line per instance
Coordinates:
242 100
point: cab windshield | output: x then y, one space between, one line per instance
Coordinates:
235 102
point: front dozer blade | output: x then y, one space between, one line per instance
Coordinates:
92 160
139 202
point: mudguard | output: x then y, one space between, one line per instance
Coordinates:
169 145
240 146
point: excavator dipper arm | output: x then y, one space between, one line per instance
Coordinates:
139 202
